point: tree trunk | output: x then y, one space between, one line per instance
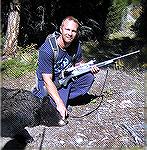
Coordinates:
10 45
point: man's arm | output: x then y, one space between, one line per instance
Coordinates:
53 92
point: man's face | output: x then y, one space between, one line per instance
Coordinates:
69 31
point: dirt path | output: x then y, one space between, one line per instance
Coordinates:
118 122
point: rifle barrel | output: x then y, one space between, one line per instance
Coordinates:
101 64
126 55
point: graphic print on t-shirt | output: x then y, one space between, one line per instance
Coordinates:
61 64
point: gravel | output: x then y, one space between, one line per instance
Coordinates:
117 120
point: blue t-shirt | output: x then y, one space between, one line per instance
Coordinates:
47 65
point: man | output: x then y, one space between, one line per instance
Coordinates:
49 70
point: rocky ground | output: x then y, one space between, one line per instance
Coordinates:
117 120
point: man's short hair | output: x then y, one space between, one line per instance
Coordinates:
70 18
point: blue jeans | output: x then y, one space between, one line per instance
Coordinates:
78 87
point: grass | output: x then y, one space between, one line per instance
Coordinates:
25 61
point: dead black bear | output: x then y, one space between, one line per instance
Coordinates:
20 108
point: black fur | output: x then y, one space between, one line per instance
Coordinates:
20 108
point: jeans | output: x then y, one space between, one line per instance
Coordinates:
78 87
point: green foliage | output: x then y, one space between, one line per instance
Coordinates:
120 2
125 2
136 1
24 62
115 13
89 50
114 17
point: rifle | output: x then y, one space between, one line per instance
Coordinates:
72 72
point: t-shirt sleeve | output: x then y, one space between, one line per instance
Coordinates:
45 60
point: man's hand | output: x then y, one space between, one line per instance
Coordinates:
95 69
62 109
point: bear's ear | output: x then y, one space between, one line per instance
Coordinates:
10 93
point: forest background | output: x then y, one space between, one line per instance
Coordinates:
109 28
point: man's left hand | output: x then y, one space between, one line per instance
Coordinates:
95 69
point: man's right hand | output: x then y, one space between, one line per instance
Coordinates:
53 92
62 110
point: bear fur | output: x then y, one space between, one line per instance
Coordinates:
20 109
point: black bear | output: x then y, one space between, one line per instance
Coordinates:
20 108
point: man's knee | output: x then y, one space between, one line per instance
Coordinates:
89 78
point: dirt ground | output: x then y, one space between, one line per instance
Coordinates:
116 120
